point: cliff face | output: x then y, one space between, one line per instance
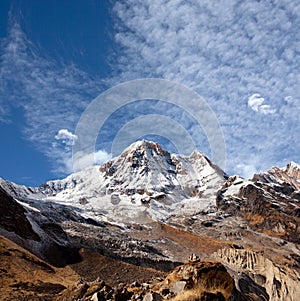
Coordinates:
255 274
13 217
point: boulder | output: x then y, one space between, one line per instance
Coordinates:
152 297
178 286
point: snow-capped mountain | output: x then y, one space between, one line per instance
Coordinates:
144 180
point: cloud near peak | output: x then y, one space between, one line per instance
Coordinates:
66 137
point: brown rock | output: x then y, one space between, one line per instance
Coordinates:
95 288
201 279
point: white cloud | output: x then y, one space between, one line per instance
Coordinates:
246 171
101 157
66 137
255 101
267 109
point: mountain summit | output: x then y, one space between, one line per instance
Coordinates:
146 172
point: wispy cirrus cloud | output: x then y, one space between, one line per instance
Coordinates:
226 51
51 95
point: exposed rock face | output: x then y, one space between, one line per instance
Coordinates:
293 170
270 204
202 276
257 275
35 232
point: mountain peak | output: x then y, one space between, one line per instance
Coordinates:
144 148
146 169
144 144
293 169
139 158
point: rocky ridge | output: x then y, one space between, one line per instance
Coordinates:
270 202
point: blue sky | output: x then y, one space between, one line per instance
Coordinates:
242 57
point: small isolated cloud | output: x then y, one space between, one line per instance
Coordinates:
66 137
79 161
255 102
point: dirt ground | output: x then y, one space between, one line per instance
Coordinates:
23 276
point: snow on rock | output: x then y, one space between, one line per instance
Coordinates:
293 170
281 176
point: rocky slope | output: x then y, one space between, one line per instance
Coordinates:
23 276
147 210
270 202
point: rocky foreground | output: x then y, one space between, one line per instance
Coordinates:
195 280
26 277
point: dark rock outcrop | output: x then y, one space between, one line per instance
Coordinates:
13 217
